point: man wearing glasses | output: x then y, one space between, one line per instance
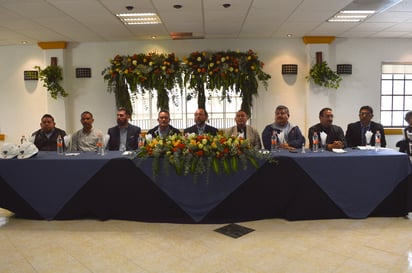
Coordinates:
355 134
164 128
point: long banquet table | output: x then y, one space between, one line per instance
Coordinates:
356 184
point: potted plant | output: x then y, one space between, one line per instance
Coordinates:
51 77
322 75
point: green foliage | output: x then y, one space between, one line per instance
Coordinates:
322 75
51 76
203 73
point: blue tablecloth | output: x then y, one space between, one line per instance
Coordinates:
48 180
197 196
358 180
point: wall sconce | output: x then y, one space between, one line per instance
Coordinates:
83 72
31 75
289 69
344 69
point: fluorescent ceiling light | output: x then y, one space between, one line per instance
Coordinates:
139 18
360 10
351 16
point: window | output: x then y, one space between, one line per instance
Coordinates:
396 93
221 112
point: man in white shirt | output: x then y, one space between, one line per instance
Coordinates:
85 139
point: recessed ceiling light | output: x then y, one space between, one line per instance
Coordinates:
177 6
153 37
289 35
139 18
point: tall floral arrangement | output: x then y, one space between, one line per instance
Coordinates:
152 72
222 71
198 154
200 72
115 74
196 68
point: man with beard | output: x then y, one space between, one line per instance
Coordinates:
201 128
86 139
124 136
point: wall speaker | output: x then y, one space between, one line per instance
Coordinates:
289 69
83 72
31 75
344 69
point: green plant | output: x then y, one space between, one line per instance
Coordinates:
322 75
51 76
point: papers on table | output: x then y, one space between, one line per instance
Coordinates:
338 151
72 154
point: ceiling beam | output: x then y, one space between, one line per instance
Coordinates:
318 39
52 45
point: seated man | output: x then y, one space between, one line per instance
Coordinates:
201 127
355 134
293 136
45 138
85 139
123 136
164 129
244 130
335 138
403 144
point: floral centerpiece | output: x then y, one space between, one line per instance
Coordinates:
198 154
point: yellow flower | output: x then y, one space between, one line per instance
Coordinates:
187 154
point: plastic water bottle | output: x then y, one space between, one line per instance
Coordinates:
274 142
99 145
315 142
23 139
59 145
377 140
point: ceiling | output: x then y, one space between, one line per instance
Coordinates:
32 21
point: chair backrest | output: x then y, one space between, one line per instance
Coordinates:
402 145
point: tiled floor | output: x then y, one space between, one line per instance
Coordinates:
371 245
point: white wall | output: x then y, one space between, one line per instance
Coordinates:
22 102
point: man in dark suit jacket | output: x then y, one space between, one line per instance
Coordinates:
45 138
335 137
355 134
124 134
164 129
201 127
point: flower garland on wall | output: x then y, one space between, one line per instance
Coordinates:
200 71
151 72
